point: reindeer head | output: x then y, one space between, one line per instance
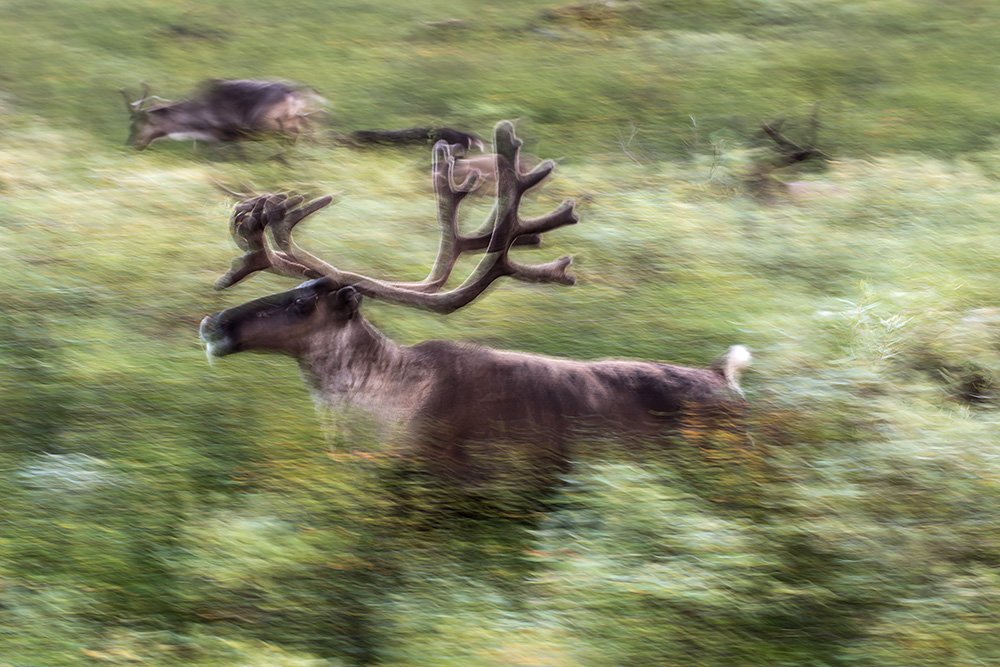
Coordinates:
150 118
291 321
284 322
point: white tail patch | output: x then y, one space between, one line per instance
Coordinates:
732 365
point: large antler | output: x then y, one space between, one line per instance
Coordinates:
278 215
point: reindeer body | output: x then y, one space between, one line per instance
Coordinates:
443 393
461 406
225 111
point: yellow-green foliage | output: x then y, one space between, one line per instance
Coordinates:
156 510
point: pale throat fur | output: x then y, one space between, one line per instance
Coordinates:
358 366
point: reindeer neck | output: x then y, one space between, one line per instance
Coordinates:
355 364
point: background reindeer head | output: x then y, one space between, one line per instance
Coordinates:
147 115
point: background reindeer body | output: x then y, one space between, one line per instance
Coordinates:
224 111
417 135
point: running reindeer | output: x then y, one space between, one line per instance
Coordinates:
224 111
448 399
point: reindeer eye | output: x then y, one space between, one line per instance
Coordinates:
303 304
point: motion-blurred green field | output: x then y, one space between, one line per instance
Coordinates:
156 510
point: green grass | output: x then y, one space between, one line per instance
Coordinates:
160 511
902 75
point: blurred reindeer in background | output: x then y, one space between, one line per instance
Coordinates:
224 111
762 182
463 141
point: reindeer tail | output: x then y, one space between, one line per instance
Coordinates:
732 364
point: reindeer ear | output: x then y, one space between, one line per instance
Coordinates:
347 300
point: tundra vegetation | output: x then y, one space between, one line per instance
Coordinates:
159 511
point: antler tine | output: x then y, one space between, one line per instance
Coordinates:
276 208
511 187
219 185
248 234
449 194
297 215
443 155
549 272
128 102
248 224
281 221
242 267
565 214
281 227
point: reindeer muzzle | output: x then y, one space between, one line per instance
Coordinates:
218 342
